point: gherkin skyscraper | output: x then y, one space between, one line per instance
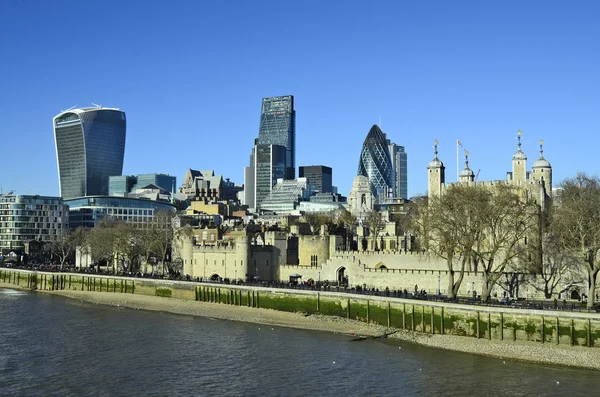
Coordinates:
376 164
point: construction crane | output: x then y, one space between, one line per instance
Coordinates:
477 176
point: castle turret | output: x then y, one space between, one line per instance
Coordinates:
466 175
519 164
436 175
241 270
542 171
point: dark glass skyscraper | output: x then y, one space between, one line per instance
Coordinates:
90 145
319 176
269 165
375 163
278 127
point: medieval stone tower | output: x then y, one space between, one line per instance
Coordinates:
436 175
518 176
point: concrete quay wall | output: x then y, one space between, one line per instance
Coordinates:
481 322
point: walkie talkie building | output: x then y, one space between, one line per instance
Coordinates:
90 146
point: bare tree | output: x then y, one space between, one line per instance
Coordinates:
576 224
347 221
102 241
65 247
315 221
160 238
376 225
508 219
450 226
557 271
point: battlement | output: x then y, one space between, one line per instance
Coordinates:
346 254
214 248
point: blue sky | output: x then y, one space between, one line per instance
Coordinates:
191 74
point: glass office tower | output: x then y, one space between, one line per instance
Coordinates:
375 163
90 146
278 127
269 165
319 176
400 169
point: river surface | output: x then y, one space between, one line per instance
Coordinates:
54 346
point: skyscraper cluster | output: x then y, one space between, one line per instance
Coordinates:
274 153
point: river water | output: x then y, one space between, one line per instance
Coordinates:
53 346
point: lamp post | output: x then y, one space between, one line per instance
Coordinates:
439 285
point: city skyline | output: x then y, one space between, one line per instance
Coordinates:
474 72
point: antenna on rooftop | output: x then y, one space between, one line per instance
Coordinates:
71 108
98 106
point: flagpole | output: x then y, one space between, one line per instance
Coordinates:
456 159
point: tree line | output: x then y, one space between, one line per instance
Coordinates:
121 246
500 229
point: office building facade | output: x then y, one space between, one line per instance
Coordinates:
86 212
120 185
24 218
269 165
400 169
278 127
90 146
375 163
319 176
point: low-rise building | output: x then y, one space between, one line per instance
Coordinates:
86 212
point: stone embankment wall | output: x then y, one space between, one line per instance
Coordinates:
493 323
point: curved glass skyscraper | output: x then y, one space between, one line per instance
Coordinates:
375 163
90 145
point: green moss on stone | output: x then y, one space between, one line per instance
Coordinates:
164 292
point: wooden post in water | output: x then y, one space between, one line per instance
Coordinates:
432 323
572 333
442 321
318 302
348 309
543 330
